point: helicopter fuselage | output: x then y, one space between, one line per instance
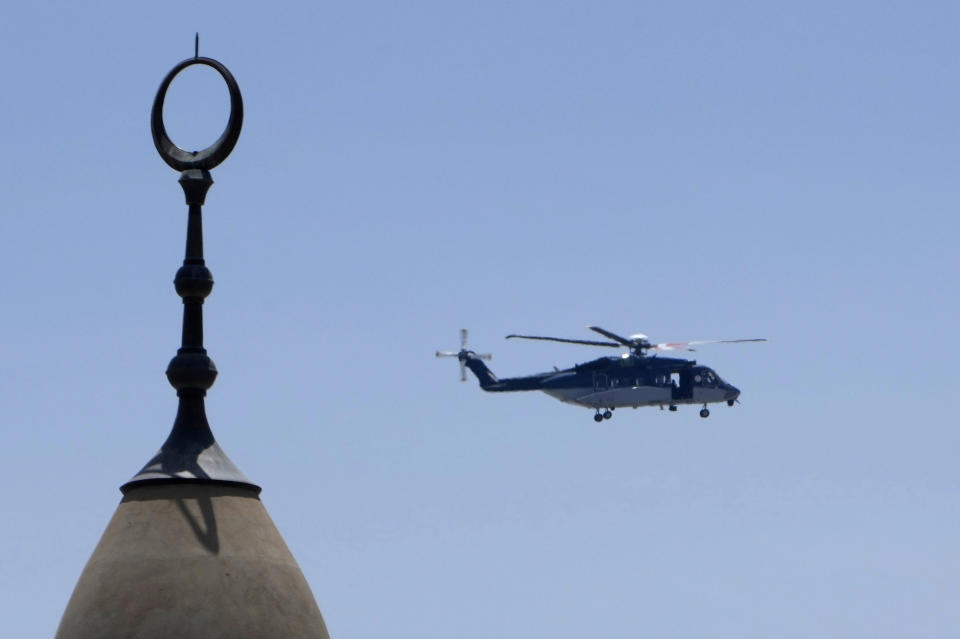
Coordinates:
616 382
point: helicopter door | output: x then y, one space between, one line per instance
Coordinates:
685 391
600 382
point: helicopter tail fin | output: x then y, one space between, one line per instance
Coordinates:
475 363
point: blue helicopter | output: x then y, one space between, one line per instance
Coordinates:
634 379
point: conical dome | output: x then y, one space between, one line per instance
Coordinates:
191 552
191 560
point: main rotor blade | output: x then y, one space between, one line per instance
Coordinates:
463 371
463 339
684 346
447 354
567 341
613 336
672 346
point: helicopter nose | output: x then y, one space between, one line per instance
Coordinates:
732 393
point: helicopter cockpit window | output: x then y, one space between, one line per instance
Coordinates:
706 378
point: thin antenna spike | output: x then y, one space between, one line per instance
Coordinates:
196 45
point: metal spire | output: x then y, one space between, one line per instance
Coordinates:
191 453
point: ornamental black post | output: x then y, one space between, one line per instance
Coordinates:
191 453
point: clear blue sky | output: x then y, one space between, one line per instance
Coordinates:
686 170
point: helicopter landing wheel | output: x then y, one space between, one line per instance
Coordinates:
673 408
704 413
607 414
598 417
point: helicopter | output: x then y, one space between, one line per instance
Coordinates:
634 379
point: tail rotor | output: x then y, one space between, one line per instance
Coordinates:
463 354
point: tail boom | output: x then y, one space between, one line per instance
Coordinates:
491 383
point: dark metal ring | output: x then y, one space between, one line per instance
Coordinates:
217 152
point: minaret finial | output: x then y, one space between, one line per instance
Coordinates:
191 453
